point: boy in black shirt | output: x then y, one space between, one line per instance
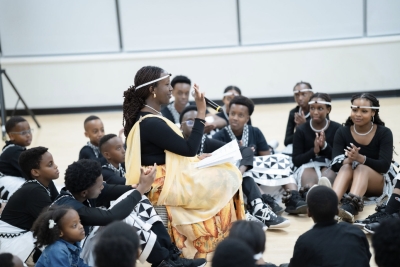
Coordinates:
94 130
11 175
112 149
329 243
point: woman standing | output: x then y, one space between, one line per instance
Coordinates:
195 199
368 148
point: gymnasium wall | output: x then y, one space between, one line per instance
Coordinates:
85 53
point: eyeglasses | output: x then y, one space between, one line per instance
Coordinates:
189 122
23 132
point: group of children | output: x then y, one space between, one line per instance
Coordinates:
319 151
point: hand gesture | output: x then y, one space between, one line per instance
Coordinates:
317 147
321 139
146 178
352 153
209 127
299 118
200 101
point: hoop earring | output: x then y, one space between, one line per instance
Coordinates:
373 118
154 95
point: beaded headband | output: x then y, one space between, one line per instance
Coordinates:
230 93
302 90
153 81
320 102
353 106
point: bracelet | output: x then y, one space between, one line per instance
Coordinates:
365 159
325 145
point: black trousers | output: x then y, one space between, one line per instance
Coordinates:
250 189
161 249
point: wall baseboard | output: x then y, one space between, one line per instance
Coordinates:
261 100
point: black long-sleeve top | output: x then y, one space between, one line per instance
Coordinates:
379 151
303 144
92 216
87 153
291 126
25 205
9 160
112 177
156 136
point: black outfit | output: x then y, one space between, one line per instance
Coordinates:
153 144
291 126
331 244
256 139
88 153
249 187
110 176
9 160
92 216
25 205
378 152
167 113
303 144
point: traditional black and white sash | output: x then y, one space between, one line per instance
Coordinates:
245 134
174 112
120 171
95 149
203 139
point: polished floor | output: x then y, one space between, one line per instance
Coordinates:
63 135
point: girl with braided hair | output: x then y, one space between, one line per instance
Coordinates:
199 202
364 167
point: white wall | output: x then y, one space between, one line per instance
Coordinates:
260 71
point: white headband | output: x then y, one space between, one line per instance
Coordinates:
353 106
153 81
230 93
302 90
320 102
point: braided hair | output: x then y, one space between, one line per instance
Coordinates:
134 100
374 103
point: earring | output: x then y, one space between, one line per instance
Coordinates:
372 118
154 95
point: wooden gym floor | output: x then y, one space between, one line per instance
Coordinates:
63 135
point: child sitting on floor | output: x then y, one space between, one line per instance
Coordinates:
11 175
112 149
94 130
329 243
60 230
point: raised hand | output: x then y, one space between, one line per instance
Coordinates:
317 147
200 101
299 118
146 178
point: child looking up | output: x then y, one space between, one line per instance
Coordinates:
94 130
112 149
25 205
60 230
12 177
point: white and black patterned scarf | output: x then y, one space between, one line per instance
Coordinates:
174 112
95 149
120 171
245 134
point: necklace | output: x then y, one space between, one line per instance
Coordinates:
370 130
159 113
245 134
323 129
306 116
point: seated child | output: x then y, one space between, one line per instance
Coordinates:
329 243
386 243
249 187
251 234
118 245
10 260
112 149
11 175
25 205
232 252
60 230
84 191
94 130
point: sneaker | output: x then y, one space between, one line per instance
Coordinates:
276 208
370 219
325 182
371 227
294 203
263 213
347 212
251 218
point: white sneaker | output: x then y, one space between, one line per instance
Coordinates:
251 218
325 182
